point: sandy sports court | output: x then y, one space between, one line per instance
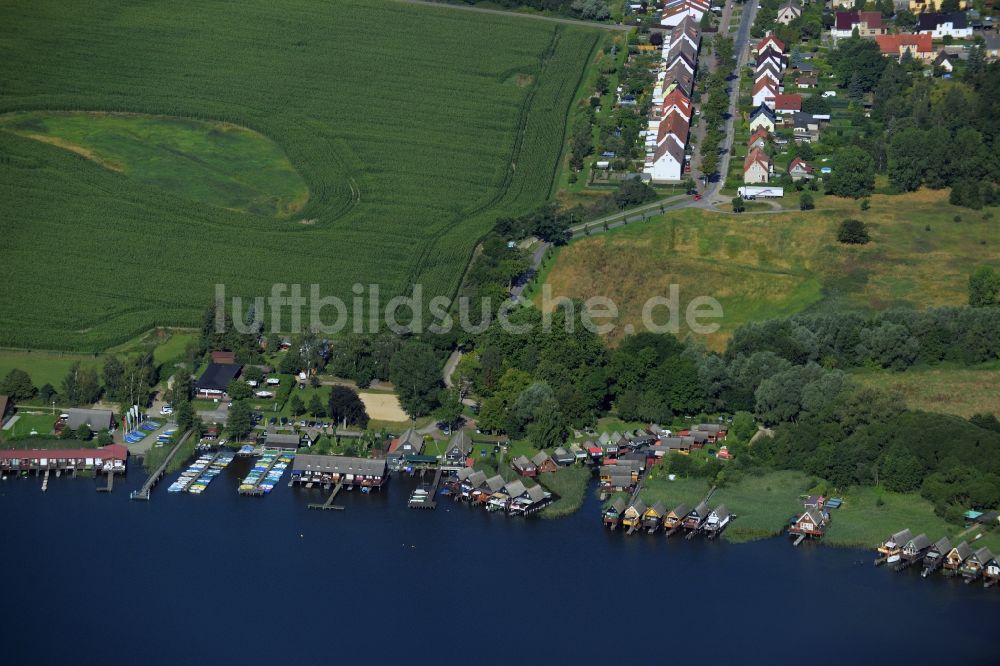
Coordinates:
383 406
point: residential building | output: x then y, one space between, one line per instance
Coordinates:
939 26
410 443
95 419
919 47
676 11
215 380
787 104
922 6
788 12
799 170
868 25
762 117
756 169
758 139
763 92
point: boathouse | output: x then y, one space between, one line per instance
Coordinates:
563 457
676 516
653 516
811 523
894 544
111 458
718 519
488 488
613 513
915 548
501 499
957 556
363 472
697 516
633 514
531 500
975 565
934 557
992 573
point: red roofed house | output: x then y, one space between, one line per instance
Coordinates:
764 92
787 104
868 25
769 39
106 458
919 46
757 167
799 170
758 140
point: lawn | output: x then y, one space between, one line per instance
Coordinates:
949 389
761 266
413 128
863 521
27 421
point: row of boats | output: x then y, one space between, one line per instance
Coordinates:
265 474
195 479
902 550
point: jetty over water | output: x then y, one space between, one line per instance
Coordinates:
147 488
423 497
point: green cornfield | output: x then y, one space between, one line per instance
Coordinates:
413 127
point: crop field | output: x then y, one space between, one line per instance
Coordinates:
767 265
962 391
151 151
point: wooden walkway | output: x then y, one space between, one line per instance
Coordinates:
147 488
423 497
328 505
110 485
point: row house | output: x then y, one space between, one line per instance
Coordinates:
675 12
868 24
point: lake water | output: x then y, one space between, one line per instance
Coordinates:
220 578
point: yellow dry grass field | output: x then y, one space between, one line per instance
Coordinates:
383 406
766 265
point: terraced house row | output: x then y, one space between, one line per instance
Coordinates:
672 110
769 101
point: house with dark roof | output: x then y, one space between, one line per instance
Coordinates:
762 117
652 517
215 380
956 557
718 519
613 513
975 565
95 419
697 516
563 457
524 467
633 514
544 463
947 24
675 517
363 472
915 548
407 445
458 451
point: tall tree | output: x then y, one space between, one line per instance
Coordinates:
17 384
984 287
239 421
346 406
416 373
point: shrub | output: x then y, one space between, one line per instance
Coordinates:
853 232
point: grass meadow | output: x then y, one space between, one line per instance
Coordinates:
411 127
949 389
768 265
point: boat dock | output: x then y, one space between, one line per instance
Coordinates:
265 474
201 472
423 497
147 488
328 505
45 481
110 485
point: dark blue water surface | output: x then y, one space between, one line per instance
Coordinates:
220 578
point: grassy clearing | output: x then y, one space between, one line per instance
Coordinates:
570 484
156 455
762 504
958 390
210 162
769 265
46 443
483 134
864 521
40 422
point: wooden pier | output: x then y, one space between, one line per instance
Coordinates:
423 497
328 505
45 481
147 487
110 484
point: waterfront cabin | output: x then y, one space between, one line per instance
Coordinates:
975 565
524 467
563 458
915 549
717 520
467 480
652 517
501 499
531 500
992 573
675 517
544 463
459 449
351 471
892 546
489 487
696 517
811 523
282 443
613 513
934 557
633 514
956 557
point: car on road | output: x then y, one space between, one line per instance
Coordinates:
166 410
697 197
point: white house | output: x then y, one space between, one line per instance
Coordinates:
756 167
939 26
788 12
675 11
